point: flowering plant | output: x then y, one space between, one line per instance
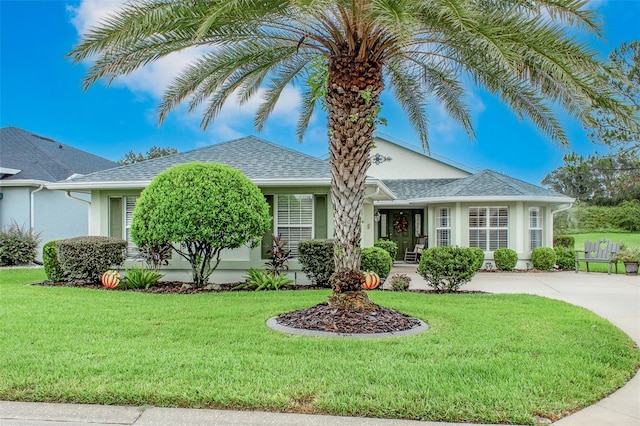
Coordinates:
400 282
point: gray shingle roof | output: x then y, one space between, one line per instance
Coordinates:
256 158
41 158
486 183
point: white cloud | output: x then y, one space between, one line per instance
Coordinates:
91 12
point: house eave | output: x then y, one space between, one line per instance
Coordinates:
478 199
23 182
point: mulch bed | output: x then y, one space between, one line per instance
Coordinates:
373 319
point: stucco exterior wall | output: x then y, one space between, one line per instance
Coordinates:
55 216
407 164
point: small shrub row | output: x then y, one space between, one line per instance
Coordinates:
18 245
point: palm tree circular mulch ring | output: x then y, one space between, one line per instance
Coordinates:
323 320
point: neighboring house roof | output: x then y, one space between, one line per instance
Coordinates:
254 157
486 185
25 156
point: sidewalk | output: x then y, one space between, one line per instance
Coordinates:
615 297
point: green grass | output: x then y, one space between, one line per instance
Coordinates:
486 358
628 239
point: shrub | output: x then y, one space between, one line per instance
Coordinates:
86 258
400 282
50 260
376 260
448 268
316 260
478 256
140 278
201 209
390 246
565 257
564 241
18 245
156 255
259 279
543 258
506 259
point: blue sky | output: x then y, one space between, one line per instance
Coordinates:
40 91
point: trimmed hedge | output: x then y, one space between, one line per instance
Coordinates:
52 267
375 259
564 241
582 218
543 258
86 258
390 246
316 260
505 259
448 268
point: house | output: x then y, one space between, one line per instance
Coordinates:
28 162
408 194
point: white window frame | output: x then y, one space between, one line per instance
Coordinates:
127 219
281 224
384 232
536 236
443 227
492 231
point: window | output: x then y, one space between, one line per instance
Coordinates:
417 221
489 228
383 226
294 219
535 228
443 227
120 219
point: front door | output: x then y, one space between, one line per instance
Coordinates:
400 227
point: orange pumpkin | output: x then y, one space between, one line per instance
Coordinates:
371 281
111 279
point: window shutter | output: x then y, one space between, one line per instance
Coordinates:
320 219
115 218
267 240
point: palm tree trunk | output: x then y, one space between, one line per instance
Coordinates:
352 99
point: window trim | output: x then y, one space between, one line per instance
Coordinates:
539 228
276 218
488 228
446 227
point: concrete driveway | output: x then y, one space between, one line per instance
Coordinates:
615 297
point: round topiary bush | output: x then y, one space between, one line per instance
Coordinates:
543 258
390 246
316 260
201 209
448 268
50 261
376 260
505 259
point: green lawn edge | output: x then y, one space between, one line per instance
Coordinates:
486 358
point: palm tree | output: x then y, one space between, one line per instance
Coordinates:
345 51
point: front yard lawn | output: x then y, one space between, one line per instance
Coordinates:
486 358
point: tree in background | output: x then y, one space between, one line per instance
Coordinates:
201 209
625 79
154 152
600 180
346 51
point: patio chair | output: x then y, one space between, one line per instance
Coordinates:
414 256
